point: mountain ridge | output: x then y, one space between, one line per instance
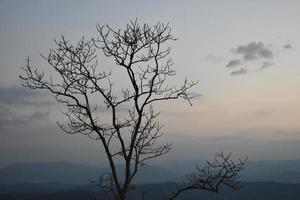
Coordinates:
67 172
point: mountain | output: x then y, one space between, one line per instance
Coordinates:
151 174
285 171
158 191
63 180
250 191
64 172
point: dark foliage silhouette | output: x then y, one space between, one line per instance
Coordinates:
221 171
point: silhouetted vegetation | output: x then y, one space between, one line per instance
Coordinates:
142 54
249 191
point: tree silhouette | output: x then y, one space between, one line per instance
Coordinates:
221 171
132 131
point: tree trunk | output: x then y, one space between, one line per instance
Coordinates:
121 196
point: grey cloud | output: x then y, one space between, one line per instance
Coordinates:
234 63
254 51
262 113
10 95
256 136
258 115
287 46
266 64
40 115
239 72
195 95
213 58
251 52
21 96
10 118
5 113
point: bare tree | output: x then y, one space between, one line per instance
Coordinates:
141 51
221 171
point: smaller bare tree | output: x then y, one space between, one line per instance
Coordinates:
221 171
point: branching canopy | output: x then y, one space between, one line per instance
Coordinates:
139 50
215 174
143 54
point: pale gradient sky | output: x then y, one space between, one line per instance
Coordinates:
251 107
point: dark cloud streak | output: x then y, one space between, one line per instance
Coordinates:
234 63
287 46
266 64
213 58
254 51
22 96
250 53
40 115
239 72
10 118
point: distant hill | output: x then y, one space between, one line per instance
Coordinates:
250 191
285 171
64 172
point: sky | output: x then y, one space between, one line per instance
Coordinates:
243 53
